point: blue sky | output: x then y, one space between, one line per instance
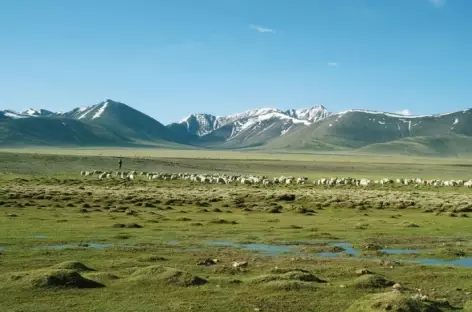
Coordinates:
169 58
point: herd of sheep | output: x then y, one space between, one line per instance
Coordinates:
263 180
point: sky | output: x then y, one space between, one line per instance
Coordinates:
170 58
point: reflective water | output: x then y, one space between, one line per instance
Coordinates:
40 236
462 262
271 250
348 249
83 245
400 251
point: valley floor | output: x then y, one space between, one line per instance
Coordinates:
172 246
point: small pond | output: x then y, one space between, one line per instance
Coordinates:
348 249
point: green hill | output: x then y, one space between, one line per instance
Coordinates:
445 146
53 131
358 129
112 123
107 123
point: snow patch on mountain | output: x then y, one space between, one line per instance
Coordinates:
312 114
100 111
13 114
31 112
284 131
394 114
85 113
201 124
253 120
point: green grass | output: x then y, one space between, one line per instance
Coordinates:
58 228
54 161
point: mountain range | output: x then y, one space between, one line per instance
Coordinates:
314 129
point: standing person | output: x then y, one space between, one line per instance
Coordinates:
120 163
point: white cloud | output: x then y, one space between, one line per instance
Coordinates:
405 112
333 64
438 3
262 29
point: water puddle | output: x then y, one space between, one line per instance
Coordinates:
82 245
401 251
348 249
463 262
39 236
270 250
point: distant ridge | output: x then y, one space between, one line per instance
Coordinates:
112 123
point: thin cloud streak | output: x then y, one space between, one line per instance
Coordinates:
262 29
333 64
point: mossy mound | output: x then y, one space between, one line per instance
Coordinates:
393 302
468 306
289 285
370 281
50 278
287 270
298 275
101 276
152 258
73 266
167 275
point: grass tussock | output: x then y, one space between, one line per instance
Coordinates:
101 276
393 301
370 281
223 221
167 275
152 258
73 266
288 285
294 275
53 278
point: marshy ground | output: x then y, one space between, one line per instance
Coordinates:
79 244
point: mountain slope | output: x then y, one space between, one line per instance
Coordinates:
106 123
125 121
357 128
37 112
251 128
452 145
56 132
313 129
313 114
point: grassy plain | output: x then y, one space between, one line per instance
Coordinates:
144 239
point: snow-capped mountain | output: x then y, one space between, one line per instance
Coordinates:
37 112
88 112
30 112
249 124
111 123
108 122
199 124
356 128
313 114
8 113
